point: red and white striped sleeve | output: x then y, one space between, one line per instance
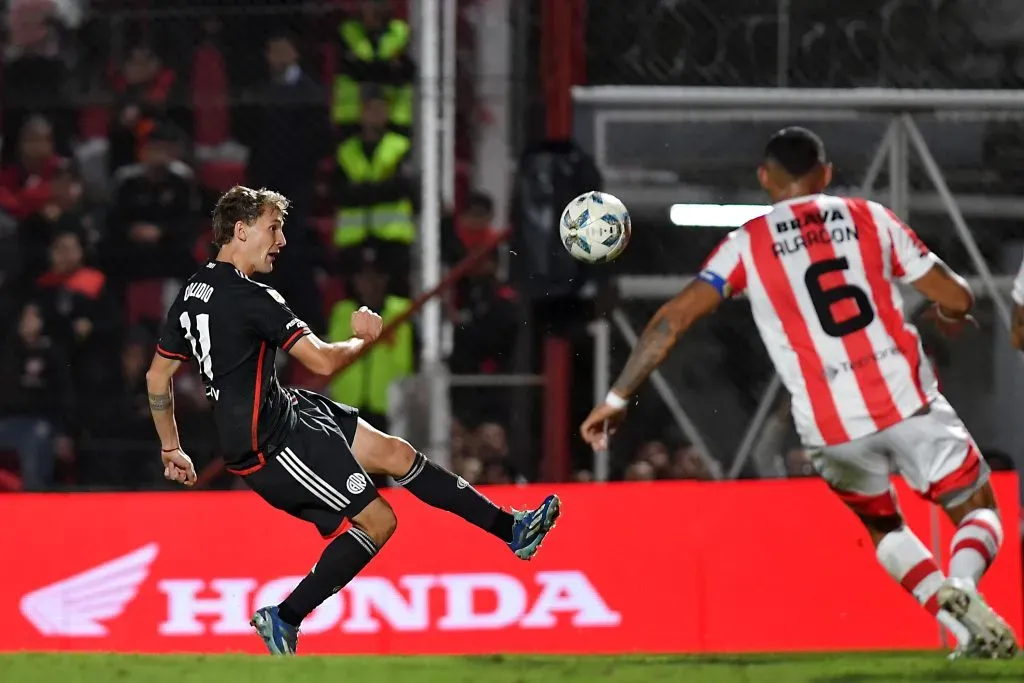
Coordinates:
911 258
723 269
1018 286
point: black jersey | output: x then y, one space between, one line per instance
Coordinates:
232 326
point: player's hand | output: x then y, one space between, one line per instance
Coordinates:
600 424
366 324
178 467
948 325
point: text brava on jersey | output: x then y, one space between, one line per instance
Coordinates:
813 228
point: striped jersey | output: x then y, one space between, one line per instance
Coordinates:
821 273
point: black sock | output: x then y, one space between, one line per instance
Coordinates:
438 487
342 559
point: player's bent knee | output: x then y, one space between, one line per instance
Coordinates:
378 520
880 526
381 453
398 457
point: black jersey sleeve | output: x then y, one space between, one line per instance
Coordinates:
173 343
272 320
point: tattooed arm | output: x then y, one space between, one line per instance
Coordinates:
177 466
673 319
161 400
697 300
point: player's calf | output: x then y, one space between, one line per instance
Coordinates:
978 537
342 559
381 453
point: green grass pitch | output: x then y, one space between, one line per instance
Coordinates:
830 668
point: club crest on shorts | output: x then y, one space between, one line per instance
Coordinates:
356 483
461 483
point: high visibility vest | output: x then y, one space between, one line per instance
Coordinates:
348 105
365 383
390 221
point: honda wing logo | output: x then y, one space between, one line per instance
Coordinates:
79 604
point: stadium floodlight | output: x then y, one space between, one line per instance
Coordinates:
715 215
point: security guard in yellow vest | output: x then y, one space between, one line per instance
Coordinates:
365 383
374 49
373 190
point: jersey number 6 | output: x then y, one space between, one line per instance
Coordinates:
823 299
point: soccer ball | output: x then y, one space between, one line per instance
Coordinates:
595 227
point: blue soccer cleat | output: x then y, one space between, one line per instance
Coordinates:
279 637
532 526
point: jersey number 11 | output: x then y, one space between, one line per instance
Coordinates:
200 342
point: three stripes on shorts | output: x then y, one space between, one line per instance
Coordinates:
331 496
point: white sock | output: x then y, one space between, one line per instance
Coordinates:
975 545
913 566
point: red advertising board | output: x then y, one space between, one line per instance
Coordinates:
661 567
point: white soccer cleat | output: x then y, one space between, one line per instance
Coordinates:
990 636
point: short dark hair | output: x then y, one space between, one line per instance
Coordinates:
243 204
480 201
797 150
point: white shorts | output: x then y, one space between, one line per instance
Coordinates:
932 451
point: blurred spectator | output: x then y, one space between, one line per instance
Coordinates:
583 477
154 206
365 383
492 441
82 315
36 405
486 316
373 190
656 453
62 213
798 463
472 228
288 134
26 184
147 93
122 416
640 470
374 49
35 76
687 463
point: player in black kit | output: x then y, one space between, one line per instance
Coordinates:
301 452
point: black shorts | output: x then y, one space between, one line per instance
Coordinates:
315 476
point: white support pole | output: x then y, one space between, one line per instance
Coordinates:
931 167
664 390
449 88
601 331
867 185
764 409
899 171
430 230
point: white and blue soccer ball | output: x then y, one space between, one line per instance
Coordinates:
595 227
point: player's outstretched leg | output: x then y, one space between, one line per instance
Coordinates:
522 531
342 559
973 549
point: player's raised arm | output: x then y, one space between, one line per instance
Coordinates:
159 384
327 358
915 264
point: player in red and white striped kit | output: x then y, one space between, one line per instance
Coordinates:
821 274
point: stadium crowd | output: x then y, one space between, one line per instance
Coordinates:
112 159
